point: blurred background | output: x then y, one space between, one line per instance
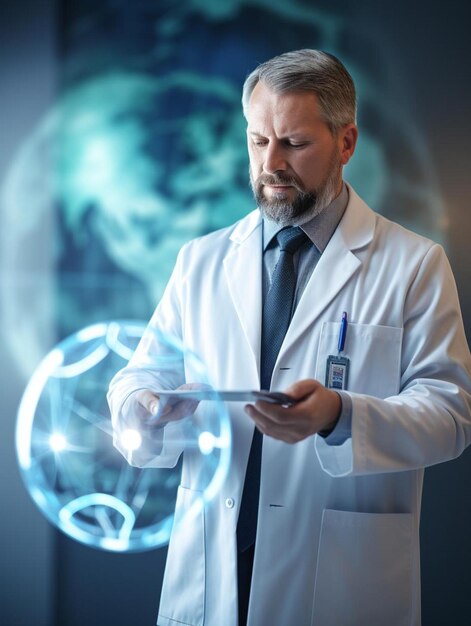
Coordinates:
121 138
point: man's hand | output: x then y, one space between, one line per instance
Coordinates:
156 413
318 409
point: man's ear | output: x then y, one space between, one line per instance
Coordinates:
347 142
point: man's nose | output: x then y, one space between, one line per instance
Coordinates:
274 160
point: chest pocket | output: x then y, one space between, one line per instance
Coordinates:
374 353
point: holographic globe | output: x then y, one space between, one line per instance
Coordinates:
64 441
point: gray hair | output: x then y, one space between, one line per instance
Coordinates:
309 70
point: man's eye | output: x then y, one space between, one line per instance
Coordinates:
260 143
296 145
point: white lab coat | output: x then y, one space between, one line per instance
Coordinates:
341 545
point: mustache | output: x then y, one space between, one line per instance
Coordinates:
279 179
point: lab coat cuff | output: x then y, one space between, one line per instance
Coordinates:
335 452
343 428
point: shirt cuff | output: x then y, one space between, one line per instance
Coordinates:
343 428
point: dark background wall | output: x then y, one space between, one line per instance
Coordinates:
27 87
412 63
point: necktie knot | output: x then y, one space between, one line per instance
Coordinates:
291 239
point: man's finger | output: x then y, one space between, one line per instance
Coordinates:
148 400
163 410
273 429
267 415
303 388
180 410
273 412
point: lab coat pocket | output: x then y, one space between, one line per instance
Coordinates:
374 353
182 600
364 570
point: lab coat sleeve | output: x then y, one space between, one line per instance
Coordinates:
148 369
429 420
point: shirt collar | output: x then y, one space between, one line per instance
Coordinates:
320 228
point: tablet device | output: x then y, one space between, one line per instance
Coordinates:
274 397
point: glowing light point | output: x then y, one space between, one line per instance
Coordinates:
57 442
131 439
206 442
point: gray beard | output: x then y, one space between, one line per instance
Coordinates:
305 206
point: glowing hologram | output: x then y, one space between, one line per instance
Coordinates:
64 441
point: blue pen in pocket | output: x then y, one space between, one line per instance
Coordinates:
336 375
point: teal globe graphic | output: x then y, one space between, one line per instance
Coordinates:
65 437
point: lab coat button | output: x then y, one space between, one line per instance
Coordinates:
229 503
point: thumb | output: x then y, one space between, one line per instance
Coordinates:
148 400
302 388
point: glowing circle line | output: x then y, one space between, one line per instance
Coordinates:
100 499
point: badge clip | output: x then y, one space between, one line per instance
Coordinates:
336 376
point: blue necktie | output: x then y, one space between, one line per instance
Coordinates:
275 321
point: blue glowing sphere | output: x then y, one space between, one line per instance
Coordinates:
64 441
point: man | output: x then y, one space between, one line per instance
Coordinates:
354 317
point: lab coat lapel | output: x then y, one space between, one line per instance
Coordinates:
337 265
243 270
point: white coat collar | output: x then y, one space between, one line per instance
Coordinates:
336 266
243 270
245 227
357 226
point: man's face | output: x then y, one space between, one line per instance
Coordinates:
295 160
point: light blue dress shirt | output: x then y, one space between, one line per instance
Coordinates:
319 230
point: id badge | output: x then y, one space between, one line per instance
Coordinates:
336 375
